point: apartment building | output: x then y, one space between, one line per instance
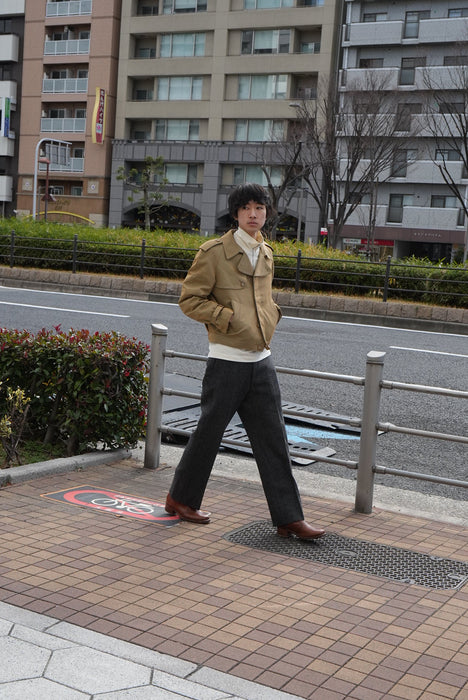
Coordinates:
419 51
209 85
11 48
68 107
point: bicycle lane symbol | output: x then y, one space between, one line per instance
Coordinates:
115 502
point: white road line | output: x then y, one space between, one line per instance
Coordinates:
430 352
55 308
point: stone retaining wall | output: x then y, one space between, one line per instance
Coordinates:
442 318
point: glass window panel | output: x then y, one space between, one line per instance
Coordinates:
244 87
199 44
194 130
160 129
165 45
176 173
241 130
192 174
281 85
182 44
246 43
257 130
180 88
261 87
177 129
266 41
197 86
163 89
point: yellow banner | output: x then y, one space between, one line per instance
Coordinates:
99 116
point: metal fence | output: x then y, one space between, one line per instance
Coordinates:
381 280
370 424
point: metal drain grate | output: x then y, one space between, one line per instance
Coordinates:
382 560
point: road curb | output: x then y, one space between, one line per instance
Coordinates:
25 472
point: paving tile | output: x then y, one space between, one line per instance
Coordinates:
189 597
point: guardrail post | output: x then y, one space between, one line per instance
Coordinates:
12 249
142 258
387 278
155 396
369 431
75 251
297 282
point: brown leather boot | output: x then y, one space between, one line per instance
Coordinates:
301 529
185 512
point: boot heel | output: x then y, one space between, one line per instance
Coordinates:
283 532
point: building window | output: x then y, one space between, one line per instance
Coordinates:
447 154
262 87
181 173
56 189
371 63
146 7
177 129
254 173
452 108
456 60
401 158
76 190
444 201
408 69
6 26
458 12
259 130
268 4
175 6
411 28
180 88
396 204
404 114
374 17
173 45
265 41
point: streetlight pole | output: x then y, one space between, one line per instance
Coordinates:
36 158
46 196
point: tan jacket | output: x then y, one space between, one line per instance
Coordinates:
235 303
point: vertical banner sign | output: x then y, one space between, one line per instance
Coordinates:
6 116
99 116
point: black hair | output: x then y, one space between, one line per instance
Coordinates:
245 193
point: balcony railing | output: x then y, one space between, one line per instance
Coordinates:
69 124
66 46
65 85
66 9
75 165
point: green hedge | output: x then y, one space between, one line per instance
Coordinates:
169 254
84 389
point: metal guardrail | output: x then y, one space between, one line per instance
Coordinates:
382 280
369 424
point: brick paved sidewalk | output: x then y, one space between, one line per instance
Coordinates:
307 628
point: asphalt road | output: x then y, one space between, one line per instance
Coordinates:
417 357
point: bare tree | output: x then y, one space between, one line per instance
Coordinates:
350 141
146 185
447 126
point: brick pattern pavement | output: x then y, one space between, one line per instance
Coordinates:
305 628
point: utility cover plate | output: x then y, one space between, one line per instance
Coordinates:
381 560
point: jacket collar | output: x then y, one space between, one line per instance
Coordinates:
231 249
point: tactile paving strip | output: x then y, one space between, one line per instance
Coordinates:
372 558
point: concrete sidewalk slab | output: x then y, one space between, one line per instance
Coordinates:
225 617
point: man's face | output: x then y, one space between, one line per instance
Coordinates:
251 217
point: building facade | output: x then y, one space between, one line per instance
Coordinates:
68 107
210 85
11 49
419 51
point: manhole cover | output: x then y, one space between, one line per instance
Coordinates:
381 560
